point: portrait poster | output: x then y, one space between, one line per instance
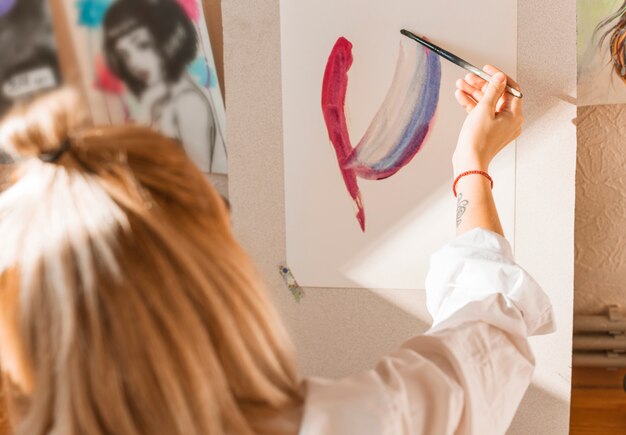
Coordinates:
601 49
29 63
370 124
150 62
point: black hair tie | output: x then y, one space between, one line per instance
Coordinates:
54 155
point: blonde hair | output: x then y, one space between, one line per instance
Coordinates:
127 306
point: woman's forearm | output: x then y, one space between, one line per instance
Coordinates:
494 120
475 205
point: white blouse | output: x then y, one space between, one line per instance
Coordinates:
467 374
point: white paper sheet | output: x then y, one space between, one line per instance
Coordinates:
412 213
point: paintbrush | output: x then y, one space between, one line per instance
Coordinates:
457 61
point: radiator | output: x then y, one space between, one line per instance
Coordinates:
600 341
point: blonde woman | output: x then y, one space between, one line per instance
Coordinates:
127 307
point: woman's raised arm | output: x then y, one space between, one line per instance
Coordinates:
494 120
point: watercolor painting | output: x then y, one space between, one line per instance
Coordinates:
401 125
28 51
370 123
601 52
150 62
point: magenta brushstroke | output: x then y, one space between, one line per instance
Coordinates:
398 130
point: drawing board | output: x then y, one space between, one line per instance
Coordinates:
406 199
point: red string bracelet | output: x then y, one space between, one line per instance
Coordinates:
463 174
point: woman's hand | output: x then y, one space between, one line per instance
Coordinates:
494 119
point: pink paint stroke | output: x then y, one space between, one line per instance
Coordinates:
334 90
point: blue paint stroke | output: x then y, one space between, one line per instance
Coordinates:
401 126
416 131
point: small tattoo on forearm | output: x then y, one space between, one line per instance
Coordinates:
461 207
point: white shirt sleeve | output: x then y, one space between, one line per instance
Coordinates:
467 374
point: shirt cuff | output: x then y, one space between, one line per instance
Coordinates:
473 269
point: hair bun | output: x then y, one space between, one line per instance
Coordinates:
41 126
